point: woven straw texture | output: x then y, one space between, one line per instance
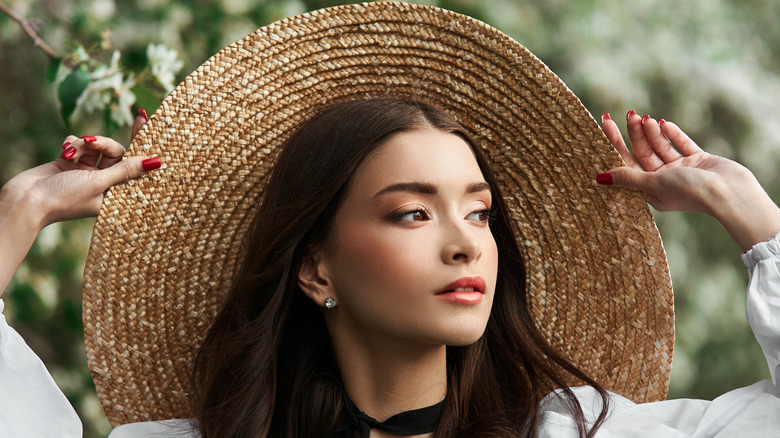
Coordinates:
165 245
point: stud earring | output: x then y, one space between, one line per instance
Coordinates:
330 303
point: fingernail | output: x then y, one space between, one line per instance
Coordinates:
142 113
89 139
69 153
151 163
605 179
65 145
661 122
630 113
606 116
645 118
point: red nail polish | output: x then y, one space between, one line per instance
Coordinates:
605 179
142 113
151 163
65 145
661 122
89 139
645 118
606 116
69 153
630 113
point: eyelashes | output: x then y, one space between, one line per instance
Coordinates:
420 214
483 215
492 213
413 215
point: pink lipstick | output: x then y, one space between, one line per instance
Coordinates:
465 290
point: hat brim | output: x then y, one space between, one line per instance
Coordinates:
165 245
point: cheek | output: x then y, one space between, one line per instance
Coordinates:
491 251
493 272
376 264
370 259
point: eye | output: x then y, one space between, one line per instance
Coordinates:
417 215
479 216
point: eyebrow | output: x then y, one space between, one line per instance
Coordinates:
428 188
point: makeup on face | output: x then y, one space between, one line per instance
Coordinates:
410 255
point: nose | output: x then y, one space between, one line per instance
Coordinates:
461 244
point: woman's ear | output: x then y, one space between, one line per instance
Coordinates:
313 278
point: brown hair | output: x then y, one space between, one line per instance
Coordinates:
266 367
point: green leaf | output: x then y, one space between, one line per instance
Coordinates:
71 313
147 98
111 124
69 91
51 72
25 303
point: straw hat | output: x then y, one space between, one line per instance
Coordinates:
165 245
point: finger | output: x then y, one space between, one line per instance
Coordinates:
681 140
139 122
68 140
640 144
624 177
89 149
661 145
128 169
68 150
633 179
612 132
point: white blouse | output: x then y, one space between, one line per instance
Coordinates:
31 405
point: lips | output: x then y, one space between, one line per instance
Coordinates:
473 283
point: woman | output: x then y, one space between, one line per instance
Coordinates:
397 231
392 195
392 251
418 193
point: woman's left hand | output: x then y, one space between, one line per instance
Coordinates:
72 186
675 174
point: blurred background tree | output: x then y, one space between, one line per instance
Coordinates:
710 66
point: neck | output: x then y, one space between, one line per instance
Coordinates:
393 377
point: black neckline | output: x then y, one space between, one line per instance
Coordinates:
413 422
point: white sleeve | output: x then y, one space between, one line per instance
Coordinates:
752 411
31 404
180 428
763 299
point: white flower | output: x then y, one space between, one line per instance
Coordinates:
107 83
81 54
95 97
120 111
102 9
165 64
105 79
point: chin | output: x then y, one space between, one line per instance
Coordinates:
464 341
464 336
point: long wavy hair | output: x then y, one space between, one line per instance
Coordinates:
266 367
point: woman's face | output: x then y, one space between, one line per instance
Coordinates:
410 256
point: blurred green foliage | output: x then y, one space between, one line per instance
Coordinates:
710 66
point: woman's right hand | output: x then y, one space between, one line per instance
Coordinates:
675 174
70 187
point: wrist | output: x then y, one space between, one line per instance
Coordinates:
19 226
744 209
23 210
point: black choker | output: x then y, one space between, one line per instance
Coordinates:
414 422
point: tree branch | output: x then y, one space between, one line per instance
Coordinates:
30 30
